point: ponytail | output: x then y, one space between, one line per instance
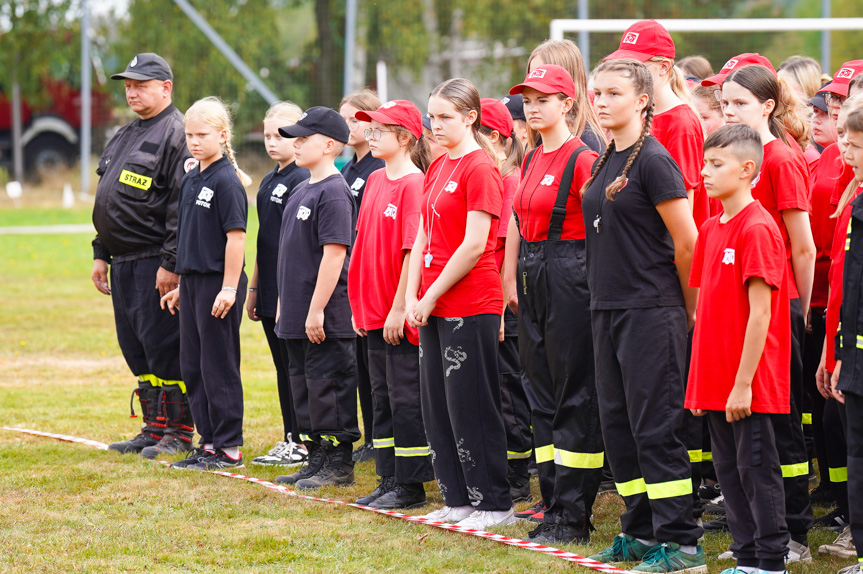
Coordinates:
244 177
788 116
514 155
417 148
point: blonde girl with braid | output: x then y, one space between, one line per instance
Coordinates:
640 237
211 240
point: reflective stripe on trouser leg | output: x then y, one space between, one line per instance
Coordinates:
382 422
640 391
835 424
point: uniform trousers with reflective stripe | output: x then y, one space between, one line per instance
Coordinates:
556 348
747 465
401 447
513 399
836 427
640 355
854 430
461 410
790 442
324 386
210 359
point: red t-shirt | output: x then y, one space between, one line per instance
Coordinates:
822 181
537 192
837 266
726 256
386 227
510 183
680 131
452 188
783 184
847 173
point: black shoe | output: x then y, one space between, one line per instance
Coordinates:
527 514
402 496
606 486
709 491
385 485
194 458
218 460
822 494
519 481
317 459
337 471
833 521
169 444
549 533
715 506
364 453
135 445
718 525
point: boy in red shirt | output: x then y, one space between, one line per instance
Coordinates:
739 267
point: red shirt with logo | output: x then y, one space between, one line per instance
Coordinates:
452 188
783 183
680 131
822 181
510 183
386 227
726 256
537 192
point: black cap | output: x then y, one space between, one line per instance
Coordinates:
819 102
146 66
319 120
427 122
515 105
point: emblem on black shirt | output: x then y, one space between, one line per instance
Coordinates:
357 185
278 192
190 164
204 197
303 212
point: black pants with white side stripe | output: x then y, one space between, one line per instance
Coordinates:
324 386
401 447
461 410
210 359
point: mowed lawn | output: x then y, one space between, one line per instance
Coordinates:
67 507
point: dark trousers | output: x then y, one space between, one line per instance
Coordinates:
461 409
747 464
513 400
210 359
148 336
693 433
401 447
814 403
556 347
854 427
364 390
280 360
640 355
835 425
790 441
324 387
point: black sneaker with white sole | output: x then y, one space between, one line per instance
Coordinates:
218 460
194 458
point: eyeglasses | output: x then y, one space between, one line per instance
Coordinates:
832 99
375 134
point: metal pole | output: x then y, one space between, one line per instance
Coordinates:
227 51
86 109
350 45
381 74
825 39
584 35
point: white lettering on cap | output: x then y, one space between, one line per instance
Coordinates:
845 73
505 101
134 62
730 64
537 73
302 117
630 38
388 105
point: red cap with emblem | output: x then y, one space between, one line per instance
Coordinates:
748 59
843 77
396 113
495 116
644 40
548 79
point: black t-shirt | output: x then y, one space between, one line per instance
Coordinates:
276 188
212 203
630 261
592 140
316 214
356 173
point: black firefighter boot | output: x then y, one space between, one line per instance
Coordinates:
337 471
177 418
151 433
519 480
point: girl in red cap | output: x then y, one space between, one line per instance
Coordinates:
545 281
454 296
377 279
639 243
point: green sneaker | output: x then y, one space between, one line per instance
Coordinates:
668 557
624 548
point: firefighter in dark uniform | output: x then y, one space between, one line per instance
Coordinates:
135 216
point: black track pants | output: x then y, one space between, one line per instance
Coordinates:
280 360
814 403
556 349
401 447
364 390
854 422
835 427
461 409
640 355
747 465
513 400
210 359
324 386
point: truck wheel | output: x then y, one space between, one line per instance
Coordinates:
47 154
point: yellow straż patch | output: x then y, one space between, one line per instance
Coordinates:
135 180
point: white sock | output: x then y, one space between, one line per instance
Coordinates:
232 452
651 542
208 446
688 549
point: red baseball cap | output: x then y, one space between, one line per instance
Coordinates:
495 116
396 113
547 79
842 78
748 59
644 40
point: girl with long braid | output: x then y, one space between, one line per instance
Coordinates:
640 237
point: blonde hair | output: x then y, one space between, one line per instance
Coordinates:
365 100
287 111
213 111
565 53
853 109
805 71
697 66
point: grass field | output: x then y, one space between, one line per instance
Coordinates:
66 507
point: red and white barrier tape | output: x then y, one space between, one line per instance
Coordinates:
509 541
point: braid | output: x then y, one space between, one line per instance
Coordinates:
598 166
618 183
244 178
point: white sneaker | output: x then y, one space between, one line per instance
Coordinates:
485 519
798 553
449 514
727 555
283 454
854 569
843 546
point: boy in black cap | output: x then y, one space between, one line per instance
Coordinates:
314 315
515 105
